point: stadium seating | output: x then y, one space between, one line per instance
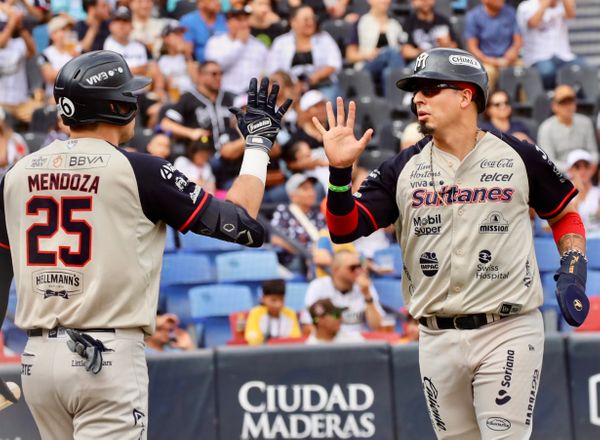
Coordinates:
519 81
593 253
389 292
355 83
339 30
170 240
181 268
210 307
295 292
372 112
245 266
546 254
592 322
390 257
191 242
584 80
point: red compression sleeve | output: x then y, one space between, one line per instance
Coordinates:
571 223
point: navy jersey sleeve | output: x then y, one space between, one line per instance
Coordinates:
166 193
3 231
549 190
373 206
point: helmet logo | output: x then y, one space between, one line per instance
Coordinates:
461 60
420 61
66 107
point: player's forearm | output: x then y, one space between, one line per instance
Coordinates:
571 242
344 220
568 230
177 129
247 191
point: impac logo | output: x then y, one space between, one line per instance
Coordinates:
429 263
306 411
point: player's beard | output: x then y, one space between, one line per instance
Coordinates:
425 129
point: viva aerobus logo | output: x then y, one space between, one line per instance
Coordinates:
306 411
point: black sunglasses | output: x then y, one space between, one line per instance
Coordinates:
432 90
354 267
500 104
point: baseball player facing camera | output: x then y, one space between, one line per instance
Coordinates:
82 226
460 201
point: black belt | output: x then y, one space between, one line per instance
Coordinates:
464 322
40 331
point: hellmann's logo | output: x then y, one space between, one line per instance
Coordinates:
306 411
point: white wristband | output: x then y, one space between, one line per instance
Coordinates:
255 163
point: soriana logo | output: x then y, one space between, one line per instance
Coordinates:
306 411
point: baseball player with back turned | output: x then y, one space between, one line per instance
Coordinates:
460 201
82 225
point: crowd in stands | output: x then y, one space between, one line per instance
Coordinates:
201 55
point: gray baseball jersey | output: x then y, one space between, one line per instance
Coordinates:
85 224
463 226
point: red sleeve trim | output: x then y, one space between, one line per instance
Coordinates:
560 207
343 224
195 213
4 246
373 222
571 223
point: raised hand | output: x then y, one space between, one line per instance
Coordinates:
341 146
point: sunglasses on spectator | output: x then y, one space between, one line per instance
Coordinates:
434 89
500 104
336 314
354 267
566 101
214 73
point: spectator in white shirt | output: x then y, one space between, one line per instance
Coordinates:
580 169
545 33
176 64
120 41
308 54
146 29
64 47
16 45
348 287
239 53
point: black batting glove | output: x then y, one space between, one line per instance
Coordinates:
570 287
260 123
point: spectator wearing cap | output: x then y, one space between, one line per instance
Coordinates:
493 35
265 24
176 64
93 30
546 47
299 221
64 47
238 52
271 319
566 130
146 28
203 111
580 169
202 24
308 54
16 46
327 322
194 164
12 145
348 287
135 53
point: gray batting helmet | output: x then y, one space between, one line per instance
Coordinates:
441 64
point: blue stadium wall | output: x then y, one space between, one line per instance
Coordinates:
369 391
